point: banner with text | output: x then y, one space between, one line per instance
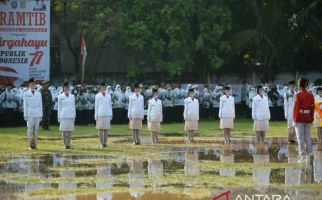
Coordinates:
24 41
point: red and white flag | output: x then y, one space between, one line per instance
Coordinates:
83 52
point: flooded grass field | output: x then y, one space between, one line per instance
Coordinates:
172 169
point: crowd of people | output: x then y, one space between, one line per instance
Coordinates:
171 95
160 104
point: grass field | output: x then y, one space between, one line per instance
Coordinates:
13 145
14 140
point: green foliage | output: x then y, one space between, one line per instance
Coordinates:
163 35
199 36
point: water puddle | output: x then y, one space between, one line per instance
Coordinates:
268 165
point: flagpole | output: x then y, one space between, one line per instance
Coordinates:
81 54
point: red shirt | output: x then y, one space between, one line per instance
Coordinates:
303 107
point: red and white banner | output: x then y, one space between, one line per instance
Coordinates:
24 41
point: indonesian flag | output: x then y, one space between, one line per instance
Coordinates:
83 52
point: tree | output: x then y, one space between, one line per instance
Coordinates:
96 20
173 36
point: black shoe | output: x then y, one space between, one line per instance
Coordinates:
32 148
67 147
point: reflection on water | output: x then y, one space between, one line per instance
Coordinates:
65 161
261 174
291 173
105 181
184 161
317 163
136 177
227 157
155 171
191 166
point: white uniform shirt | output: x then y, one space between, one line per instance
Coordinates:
136 107
168 98
155 110
216 94
103 106
32 104
127 95
179 96
66 106
289 105
118 98
8 99
83 102
260 108
191 109
318 98
206 98
226 107
91 101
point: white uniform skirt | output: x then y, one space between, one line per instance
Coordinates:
66 124
135 124
154 126
191 125
317 120
261 125
226 123
103 123
289 122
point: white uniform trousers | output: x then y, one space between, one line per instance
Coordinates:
32 133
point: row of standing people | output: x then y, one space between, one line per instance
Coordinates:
172 102
104 114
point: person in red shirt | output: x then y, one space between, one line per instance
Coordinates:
303 118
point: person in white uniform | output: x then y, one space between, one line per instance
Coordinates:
191 115
227 113
178 105
136 113
318 113
8 101
32 104
66 114
118 105
154 116
288 111
260 114
103 114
